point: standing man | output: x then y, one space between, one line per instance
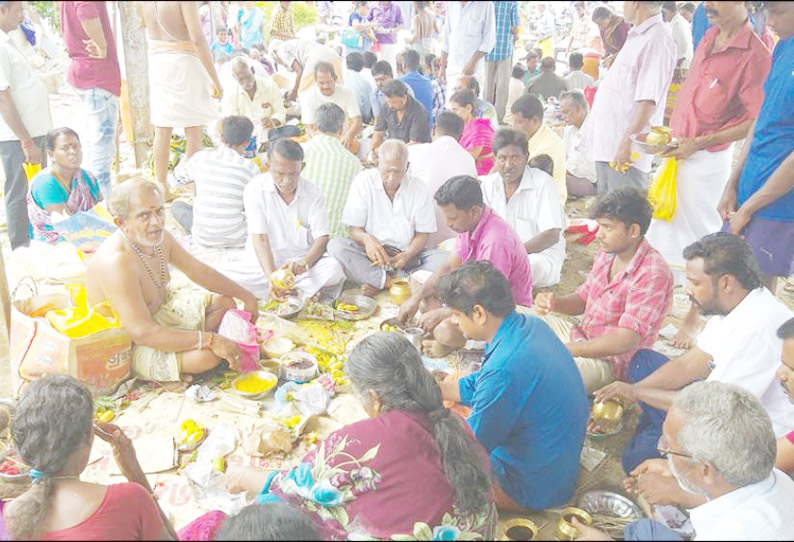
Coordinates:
25 113
283 27
469 35
408 63
94 72
759 199
499 62
630 99
682 34
717 105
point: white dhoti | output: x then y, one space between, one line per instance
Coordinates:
250 275
179 86
701 180
456 72
545 269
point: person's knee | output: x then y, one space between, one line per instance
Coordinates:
221 303
448 334
198 362
337 247
643 363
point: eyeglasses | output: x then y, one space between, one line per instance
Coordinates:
664 450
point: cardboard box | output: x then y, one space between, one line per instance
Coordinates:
100 360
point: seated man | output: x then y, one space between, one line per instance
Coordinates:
580 177
326 91
330 165
173 331
220 174
719 445
527 199
382 73
257 98
529 408
425 165
737 346
408 65
548 84
482 236
625 298
390 215
576 78
405 119
356 82
528 117
287 227
483 109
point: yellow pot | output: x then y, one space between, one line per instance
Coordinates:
565 529
659 135
400 291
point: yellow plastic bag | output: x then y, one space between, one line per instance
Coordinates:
30 170
661 193
81 320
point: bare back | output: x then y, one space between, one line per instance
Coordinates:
165 20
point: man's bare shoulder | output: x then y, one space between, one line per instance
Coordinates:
111 255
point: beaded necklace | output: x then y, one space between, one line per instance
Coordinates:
160 283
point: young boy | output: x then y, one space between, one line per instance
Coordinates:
221 46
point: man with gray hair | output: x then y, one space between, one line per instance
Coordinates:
580 177
390 215
173 330
719 444
330 165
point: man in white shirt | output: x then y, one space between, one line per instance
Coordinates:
326 91
739 344
24 121
390 215
469 35
426 166
527 199
682 35
581 175
257 98
720 446
287 227
576 78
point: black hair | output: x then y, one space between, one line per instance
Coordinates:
547 64
726 254
601 12
688 6
382 67
542 162
786 331
286 148
465 97
518 72
55 133
395 88
473 85
462 191
506 137
355 61
430 61
575 61
529 106
670 6
324 67
237 130
370 59
330 118
476 283
628 205
268 521
221 29
450 124
410 59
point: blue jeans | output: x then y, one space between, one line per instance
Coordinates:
643 444
102 110
648 529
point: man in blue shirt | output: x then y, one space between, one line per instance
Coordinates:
408 63
529 407
499 62
700 23
758 202
382 74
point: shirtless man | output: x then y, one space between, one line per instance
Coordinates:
172 331
182 78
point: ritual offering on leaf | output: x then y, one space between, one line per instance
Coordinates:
289 308
282 279
347 307
193 434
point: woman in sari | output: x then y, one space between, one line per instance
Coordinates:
411 470
478 133
64 187
614 31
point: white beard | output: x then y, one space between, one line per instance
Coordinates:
685 483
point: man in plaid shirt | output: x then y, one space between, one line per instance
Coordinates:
499 62
625 298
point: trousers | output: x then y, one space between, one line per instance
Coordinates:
608 179
102 109
497 84
15 190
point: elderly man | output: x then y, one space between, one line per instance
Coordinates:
300 56
426 166
738 344
405 119
528 118
254 97
327 90
499 62
469 35
173 331
483 109
630 99
719 445
527 199
287 227
529 408
731 54
24 121
390 215
580 177
548 84
330 165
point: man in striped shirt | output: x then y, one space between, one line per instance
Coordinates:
220 174
330 165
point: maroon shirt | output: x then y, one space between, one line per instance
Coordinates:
85 72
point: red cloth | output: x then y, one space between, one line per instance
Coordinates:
85 72
637 298
724 88
479 133
493 240
127 512
790 437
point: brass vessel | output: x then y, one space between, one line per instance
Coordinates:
400 291
565 529
659 135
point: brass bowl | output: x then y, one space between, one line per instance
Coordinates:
518 529
607 415
565 529
400 291
659 135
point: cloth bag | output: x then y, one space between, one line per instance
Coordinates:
352 38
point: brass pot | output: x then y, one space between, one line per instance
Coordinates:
607 415
659 135
400 291
565 529
519 529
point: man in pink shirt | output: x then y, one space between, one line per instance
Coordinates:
94 73
482 236
630 99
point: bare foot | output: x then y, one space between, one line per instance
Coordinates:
435 349
168 195
369 290
683 339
